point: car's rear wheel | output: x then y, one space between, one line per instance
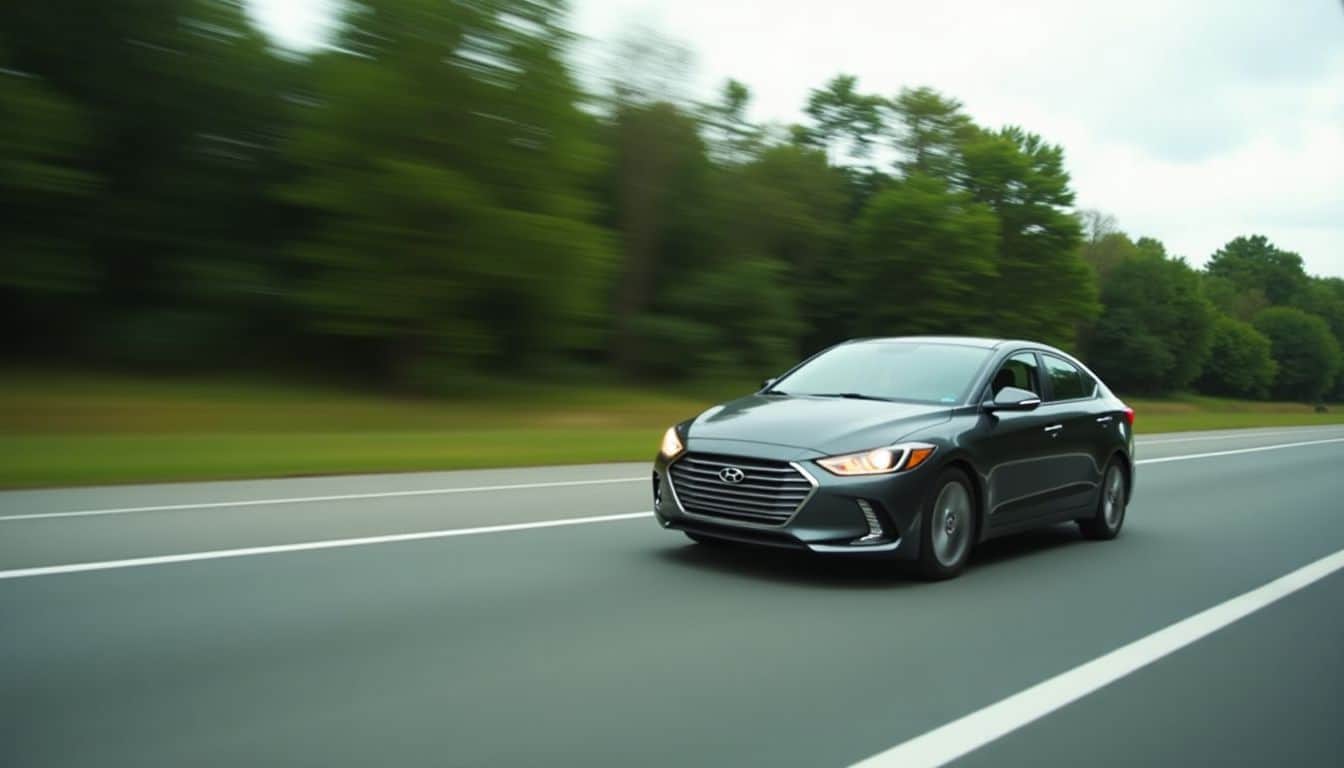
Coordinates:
1106 522
948 524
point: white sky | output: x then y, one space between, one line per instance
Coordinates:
1191 121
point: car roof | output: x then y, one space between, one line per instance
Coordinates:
964 341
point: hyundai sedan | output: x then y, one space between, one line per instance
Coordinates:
913 448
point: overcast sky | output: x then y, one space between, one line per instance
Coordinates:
1191 121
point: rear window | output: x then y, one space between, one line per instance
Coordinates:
1067 382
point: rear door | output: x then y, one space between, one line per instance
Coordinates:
1071 409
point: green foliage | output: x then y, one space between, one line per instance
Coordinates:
844 122
931 130
447 189
729 133
42 141
1325 299
433 198
1240 363
792 207
1022 179
1307 354
1155 331
919 248
1254 264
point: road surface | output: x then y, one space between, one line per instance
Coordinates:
540 617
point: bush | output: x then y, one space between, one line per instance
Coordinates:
1240 363
1154 332
1307 354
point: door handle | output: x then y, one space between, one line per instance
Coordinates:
1104 419
1054 428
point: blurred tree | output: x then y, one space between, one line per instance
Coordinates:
1307 354
1240 362
1043 289
44 270
659 190
731 136
845 122
1324 298
1154 333
1231 300
790 206
177 108
444 167
931 130
646 67
1103 245
921 249
1253 263
734 320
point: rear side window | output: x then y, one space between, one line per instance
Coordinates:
1066 381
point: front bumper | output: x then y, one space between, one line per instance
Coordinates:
836 518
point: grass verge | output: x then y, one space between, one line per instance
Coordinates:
83 430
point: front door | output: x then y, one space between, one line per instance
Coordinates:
1016 449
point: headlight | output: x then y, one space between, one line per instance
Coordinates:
672 446
878 461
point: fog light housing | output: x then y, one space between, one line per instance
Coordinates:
875 532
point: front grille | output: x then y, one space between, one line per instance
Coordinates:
769 493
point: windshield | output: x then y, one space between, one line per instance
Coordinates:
907 371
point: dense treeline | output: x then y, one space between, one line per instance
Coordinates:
435 194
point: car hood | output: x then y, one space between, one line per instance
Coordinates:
827 425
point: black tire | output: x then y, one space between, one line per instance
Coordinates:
1109 516
956 518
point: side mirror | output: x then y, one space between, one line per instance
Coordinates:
768 383
1013 399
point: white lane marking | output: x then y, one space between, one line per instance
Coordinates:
964 735
1238 435
1257 449
486 488
315 499
391 538
219 554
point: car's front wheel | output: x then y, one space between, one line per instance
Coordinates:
948 526
1105 523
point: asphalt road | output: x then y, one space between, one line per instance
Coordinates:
427 620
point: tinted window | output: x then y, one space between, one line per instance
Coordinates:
924 373
1017 371
1066 381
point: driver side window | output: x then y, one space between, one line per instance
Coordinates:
1017 371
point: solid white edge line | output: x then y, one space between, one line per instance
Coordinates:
314 499
487 488
1237 435
220 554
1233 452
442 534
967 734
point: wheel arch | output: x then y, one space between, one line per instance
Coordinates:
978 493
1127 466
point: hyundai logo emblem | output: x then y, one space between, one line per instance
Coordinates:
732 475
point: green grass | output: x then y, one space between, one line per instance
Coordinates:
79 430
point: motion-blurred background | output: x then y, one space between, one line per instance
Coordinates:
438 240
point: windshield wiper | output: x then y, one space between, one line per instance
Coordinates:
852 396
780 392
